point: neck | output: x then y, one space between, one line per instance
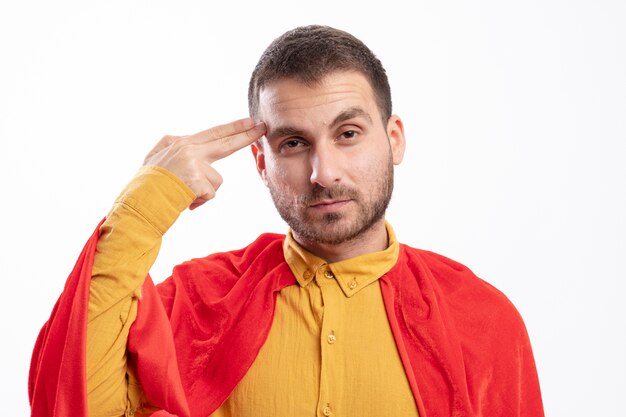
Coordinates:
374 239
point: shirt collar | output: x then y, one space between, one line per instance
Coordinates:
352 274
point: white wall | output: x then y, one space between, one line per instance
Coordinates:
514 112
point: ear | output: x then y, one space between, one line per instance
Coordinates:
259 156
395 133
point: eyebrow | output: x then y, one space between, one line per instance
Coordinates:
351 113
347 114
283 131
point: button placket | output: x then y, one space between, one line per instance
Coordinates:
332 296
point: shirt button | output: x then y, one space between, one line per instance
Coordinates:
353 284
327 411
332 338
307 274
329 274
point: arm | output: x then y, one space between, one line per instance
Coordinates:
128 245
177 174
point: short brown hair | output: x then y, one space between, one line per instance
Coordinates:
309 53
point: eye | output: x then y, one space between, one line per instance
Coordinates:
349 134
292 144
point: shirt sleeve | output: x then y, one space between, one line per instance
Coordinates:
129 242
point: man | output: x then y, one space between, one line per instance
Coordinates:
336 318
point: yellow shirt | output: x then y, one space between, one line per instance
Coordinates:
330 351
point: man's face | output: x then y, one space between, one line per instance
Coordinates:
327 157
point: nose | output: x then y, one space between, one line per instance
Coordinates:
325 166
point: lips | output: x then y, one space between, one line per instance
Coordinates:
328 199
328 202
329 206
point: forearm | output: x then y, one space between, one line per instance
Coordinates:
129 242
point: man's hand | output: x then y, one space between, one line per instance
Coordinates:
190 157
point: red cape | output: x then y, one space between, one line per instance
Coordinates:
464 346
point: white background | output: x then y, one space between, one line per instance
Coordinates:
515 119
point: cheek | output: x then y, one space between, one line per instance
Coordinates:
367 164
274 171
281 175
368 171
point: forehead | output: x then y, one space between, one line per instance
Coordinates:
337 91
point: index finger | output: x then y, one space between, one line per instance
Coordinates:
222 131
222 147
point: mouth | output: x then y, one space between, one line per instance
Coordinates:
326 205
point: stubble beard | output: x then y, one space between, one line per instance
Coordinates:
330 229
